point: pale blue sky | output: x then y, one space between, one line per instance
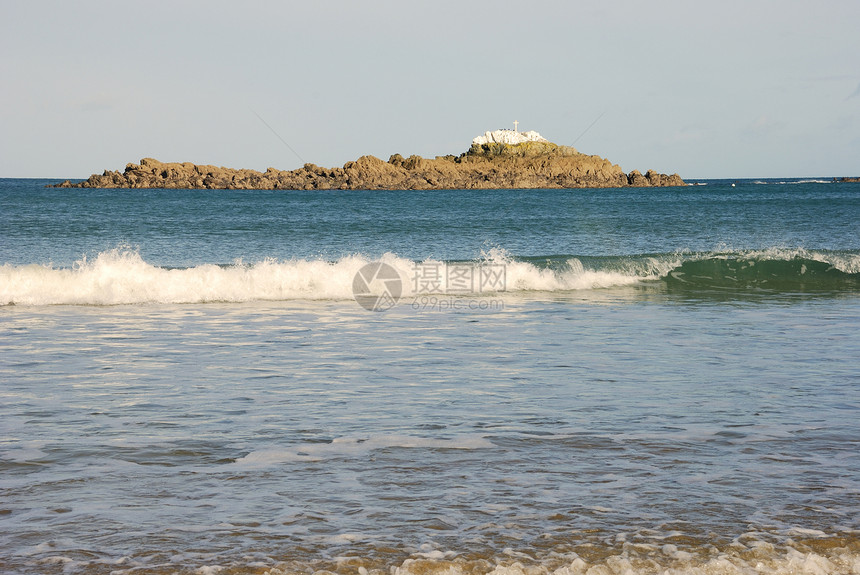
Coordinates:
717 89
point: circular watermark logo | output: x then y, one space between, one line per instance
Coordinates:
377 286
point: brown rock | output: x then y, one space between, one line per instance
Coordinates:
635 178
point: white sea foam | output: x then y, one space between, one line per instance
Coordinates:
632 560
524 276
784 182
121 276
668 560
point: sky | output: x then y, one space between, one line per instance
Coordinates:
729 89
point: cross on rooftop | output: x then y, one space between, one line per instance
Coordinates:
515 125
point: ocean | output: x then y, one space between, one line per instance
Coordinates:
510 382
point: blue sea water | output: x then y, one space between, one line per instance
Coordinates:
558 382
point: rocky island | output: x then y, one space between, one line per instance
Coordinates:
503 159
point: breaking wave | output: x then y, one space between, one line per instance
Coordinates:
122 276
672 554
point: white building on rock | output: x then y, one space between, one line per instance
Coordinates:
508 137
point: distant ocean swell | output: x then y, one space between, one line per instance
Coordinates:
121 276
